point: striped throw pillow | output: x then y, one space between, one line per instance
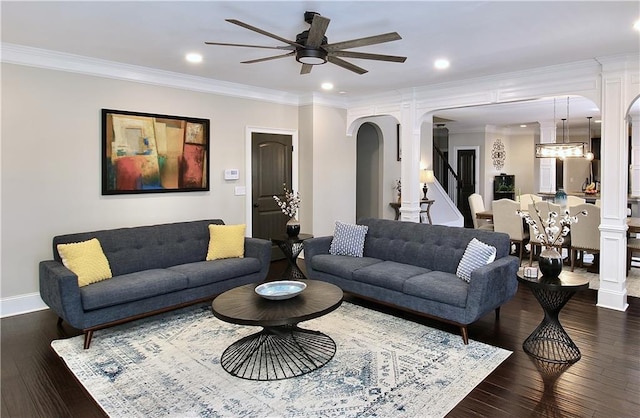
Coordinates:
477 254
348 239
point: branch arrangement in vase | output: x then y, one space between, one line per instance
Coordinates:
291 202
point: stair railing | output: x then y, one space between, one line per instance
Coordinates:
447 176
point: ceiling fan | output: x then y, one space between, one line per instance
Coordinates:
311 47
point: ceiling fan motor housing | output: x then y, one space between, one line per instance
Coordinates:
302 37
308 55
308 16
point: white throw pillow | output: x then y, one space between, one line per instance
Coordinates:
477 254
348 239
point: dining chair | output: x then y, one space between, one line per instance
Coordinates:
507 220
476 204
574 201
544 208
528 198
585 235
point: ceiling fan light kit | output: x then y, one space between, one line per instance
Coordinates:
311 56
311 47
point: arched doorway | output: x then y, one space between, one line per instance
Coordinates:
368 171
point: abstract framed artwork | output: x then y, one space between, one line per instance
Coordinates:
149 153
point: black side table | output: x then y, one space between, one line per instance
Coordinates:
291 247
549 341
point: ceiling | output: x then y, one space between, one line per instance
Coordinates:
480 38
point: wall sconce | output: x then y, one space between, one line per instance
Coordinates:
426 176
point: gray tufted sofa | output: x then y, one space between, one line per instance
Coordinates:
413 267
155 269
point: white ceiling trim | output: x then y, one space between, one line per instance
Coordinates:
42 58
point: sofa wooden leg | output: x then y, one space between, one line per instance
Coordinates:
465 334
497 313
87 339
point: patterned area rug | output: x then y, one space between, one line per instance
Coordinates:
169 365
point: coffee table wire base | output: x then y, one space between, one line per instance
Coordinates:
278 353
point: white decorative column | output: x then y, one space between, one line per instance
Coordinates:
547 166
613 240
634 167
410 164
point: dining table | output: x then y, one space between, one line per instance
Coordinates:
633 225
485 214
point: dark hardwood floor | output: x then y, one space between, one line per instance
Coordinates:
604 383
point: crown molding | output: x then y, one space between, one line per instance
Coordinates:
53 60
323 100
498 88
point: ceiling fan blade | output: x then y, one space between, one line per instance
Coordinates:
356 43
265 33
306 69
249 46
275 57
346 65
367 56
316 32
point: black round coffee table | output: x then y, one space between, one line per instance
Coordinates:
549 341
282 349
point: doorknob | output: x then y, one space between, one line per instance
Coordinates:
256 205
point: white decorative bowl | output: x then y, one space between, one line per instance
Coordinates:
283 289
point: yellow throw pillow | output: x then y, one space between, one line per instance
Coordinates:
226 241
87 260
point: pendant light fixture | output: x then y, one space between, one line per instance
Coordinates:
564 149
589 155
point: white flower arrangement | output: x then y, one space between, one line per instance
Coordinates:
556 227
291 203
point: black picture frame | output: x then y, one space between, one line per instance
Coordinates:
154 153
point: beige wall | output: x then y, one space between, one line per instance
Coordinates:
51 166
521 162
334 167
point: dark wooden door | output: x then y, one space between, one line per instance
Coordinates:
270 169
467 174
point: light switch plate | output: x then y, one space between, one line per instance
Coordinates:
241 190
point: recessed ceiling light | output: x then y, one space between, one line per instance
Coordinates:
193 57
523 126
342 92
441 64
636 25
327 86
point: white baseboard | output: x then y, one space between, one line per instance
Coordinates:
22 304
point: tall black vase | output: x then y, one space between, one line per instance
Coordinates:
293 227
550 263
